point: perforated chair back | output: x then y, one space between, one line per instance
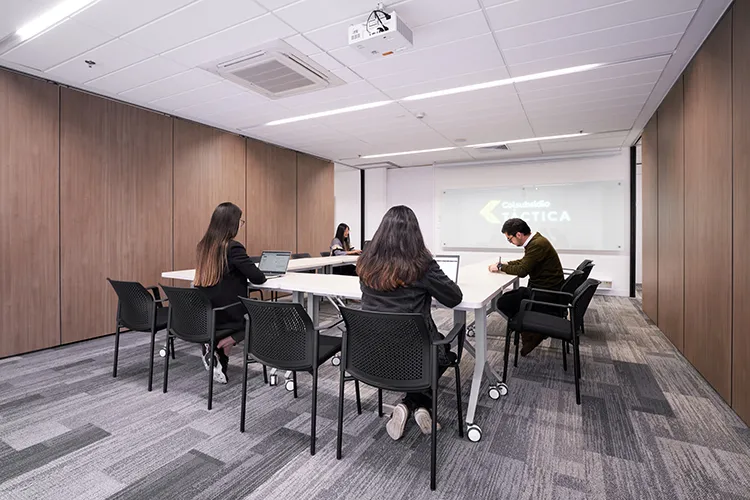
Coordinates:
387 350
189 313
281 334
135 303
572 282
582 299
304 255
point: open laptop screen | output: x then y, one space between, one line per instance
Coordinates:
274 262
449 265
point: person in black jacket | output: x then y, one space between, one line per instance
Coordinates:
397 274
222 272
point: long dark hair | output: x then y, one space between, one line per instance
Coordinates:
212 249
340 235
397 255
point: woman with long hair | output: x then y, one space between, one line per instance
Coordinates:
397 274
340 245
222 272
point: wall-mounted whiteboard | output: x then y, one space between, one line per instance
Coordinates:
575 216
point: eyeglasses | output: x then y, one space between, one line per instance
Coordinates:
242 222
510 239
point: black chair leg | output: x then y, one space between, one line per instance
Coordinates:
577 372
171 343
580 368
565 355
380 403
166 370
433 436
151 360
244 392
340 429
117 349
314 414
507 354
359 402
515 359
265 373
294 381
459 403
211 374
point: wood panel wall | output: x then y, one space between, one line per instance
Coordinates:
209 168
650 197
271 196
671 254
115 206
29 224
315 207
741 211
708 209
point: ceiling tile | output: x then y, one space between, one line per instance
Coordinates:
304 45
588 87
109 57
326 61
238 103
17 13
568 105
518 13
620 35
361 91
136 75
634 50
176 84
231 41
515 151
311 14
275 4
587 142
118 17
417 13
209 93
411 83
347 75
56 45
193 22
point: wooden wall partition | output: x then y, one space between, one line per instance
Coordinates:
271 198
115 206
650 247
671 238
741 212
209 168
29 217
708 209
315 204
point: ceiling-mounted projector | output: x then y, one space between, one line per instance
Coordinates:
383 34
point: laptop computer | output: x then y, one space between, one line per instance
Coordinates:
449 265
274 264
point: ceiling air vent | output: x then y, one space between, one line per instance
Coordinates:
276 71
499 147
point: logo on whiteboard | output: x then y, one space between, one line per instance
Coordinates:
536 211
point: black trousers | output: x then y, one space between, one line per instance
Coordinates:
423 399
347 270
510 303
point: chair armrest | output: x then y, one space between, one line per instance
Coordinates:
552 292
527 302
215 309
457 329
161 301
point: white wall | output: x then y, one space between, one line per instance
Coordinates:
376 199
414 187
638 226
348 194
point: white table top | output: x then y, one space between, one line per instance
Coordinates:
295 265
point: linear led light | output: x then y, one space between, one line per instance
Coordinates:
51 17
500 83
401 153
530 139
332 112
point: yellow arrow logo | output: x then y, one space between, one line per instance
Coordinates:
486 212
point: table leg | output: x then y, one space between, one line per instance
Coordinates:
297 297
473 431
313 308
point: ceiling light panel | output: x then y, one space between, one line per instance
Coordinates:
57 13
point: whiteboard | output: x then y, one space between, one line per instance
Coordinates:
576 216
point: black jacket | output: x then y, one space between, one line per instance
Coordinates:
240 269
417 297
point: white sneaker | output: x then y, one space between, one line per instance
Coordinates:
397 423
204 357
219 375
424 420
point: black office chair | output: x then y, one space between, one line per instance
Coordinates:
303 255
555 326
193 319
139 311
281 335
325 254
396 352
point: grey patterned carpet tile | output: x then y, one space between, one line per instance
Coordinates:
649 427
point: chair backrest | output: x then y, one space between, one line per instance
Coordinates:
189 313
304 255
134 306
255 259
325 254
582 299
572 282
281 334
586 267
387 350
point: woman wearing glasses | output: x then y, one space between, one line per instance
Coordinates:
222 272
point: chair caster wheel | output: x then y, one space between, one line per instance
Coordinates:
336 361
163 352
470 331
474 433
272 380
289 385
496 391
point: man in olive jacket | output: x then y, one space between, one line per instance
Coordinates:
540 263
